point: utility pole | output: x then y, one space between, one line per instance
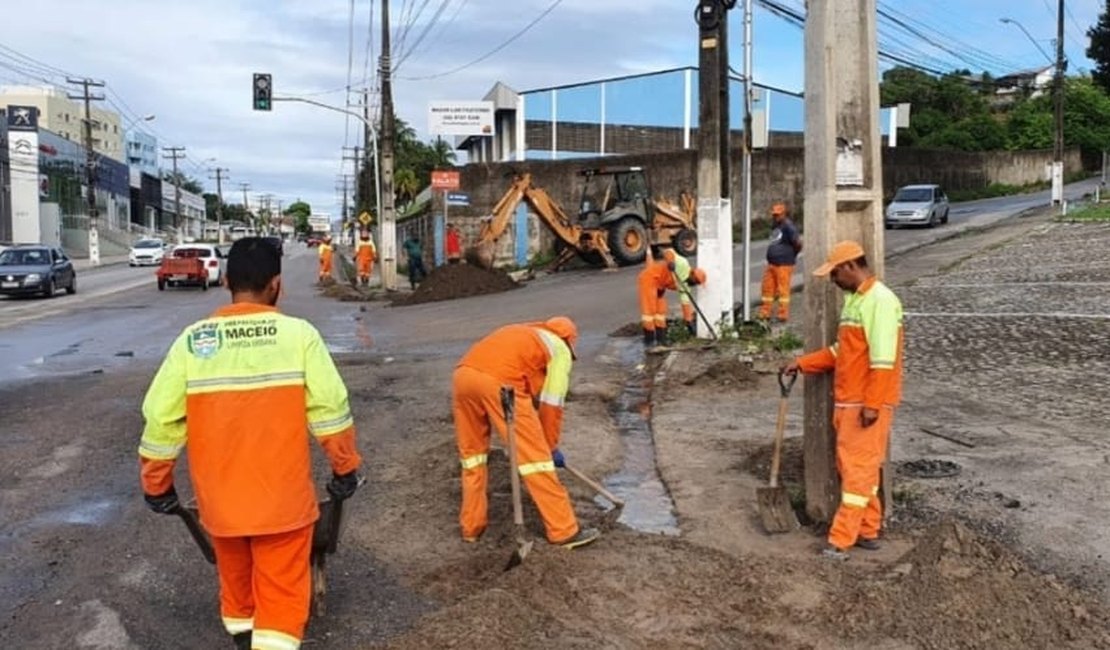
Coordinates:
221 174
388 216
749 88
343 186
1058 149
245 187
90 163
843 200
175 154
714 179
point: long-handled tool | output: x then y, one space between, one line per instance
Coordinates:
523 544
774 503
597 487
198 534
689 295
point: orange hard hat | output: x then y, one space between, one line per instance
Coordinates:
778 209
565 329
697 276
844 251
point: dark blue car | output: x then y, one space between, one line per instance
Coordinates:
30 269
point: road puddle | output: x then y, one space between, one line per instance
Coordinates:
648 504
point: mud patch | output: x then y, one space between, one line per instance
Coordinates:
927 468
347 293
627 331
457 281
757 461
730 371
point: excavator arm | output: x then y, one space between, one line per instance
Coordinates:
577 240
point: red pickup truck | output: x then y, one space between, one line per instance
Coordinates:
184 269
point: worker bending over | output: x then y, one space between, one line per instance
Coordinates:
671 271
867 364
239 390
535 359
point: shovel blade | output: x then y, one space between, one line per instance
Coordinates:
775 510
522 550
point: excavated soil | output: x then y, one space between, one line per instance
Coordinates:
758 461
730 372
457 281
627 331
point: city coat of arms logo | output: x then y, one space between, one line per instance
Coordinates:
205 341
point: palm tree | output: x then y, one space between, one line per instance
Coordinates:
442 154
405 186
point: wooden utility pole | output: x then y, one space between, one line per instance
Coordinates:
175 154
245 187
87 97
220 175
388 215
714 179
843 200
1058 91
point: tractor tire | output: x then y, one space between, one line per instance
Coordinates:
628 241
686 242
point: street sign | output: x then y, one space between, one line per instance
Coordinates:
460 118
458 198
364 218
445 180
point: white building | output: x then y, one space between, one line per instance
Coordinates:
65 117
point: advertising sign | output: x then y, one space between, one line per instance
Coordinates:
460 118
445 180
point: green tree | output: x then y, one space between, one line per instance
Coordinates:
300 212
1099 50
188 183
405 186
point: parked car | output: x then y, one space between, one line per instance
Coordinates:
147 252
210 253
917 205
277 242
28 269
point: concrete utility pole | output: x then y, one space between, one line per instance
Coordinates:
175 154
749 90
714 206
90 163
388 216
221 174
1058 149
843 200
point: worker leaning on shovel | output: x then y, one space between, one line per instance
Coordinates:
535 359
672 272
867 362
242 388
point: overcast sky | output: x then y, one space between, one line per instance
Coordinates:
189 62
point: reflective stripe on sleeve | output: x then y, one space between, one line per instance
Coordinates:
535 468
156 451
333 426
559 363
470 462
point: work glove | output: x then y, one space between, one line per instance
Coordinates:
163 504
557 456
342 486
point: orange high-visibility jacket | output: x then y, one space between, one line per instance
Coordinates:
867 355
535 362
365 251
325 252
244 388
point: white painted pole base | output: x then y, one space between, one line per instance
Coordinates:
94 246
1057 183
715 297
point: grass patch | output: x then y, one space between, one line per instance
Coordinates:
1090 214
995 190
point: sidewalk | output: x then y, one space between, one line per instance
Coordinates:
82 264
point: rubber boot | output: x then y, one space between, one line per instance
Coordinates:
242 640
649 338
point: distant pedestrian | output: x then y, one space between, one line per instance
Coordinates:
414 250
454 244
867 363
782 255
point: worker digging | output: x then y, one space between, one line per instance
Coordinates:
238 391
867 364
533 360
671 272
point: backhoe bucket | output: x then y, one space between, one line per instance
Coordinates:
480 255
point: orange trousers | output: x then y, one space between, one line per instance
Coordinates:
477 403
266 586
860 453
776 284
653 302
365 268
325 266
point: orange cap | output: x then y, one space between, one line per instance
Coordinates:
565 329
842 252
778 209
698 276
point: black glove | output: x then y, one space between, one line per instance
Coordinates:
342 486
163 504
557 458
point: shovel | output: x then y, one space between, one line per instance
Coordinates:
597 487
523 544
198 534
774 504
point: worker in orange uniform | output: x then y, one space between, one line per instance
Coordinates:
672 272
535 359
241 388
782 255
326 253
365 254
454 244
867 362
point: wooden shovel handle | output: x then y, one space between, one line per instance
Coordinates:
598 487
508 398
776 456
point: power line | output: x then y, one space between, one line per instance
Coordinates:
524 30
350 66
424 33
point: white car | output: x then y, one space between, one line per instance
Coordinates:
212 256
147 252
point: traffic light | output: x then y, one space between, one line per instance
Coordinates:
262 91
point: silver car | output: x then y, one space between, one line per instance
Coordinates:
923 205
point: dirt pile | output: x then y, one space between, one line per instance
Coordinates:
347 293
457 281
758 461
730 371
625 331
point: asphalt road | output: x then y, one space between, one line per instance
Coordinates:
118 316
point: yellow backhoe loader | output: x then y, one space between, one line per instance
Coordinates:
616 221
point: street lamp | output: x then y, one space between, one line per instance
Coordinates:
1011 21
